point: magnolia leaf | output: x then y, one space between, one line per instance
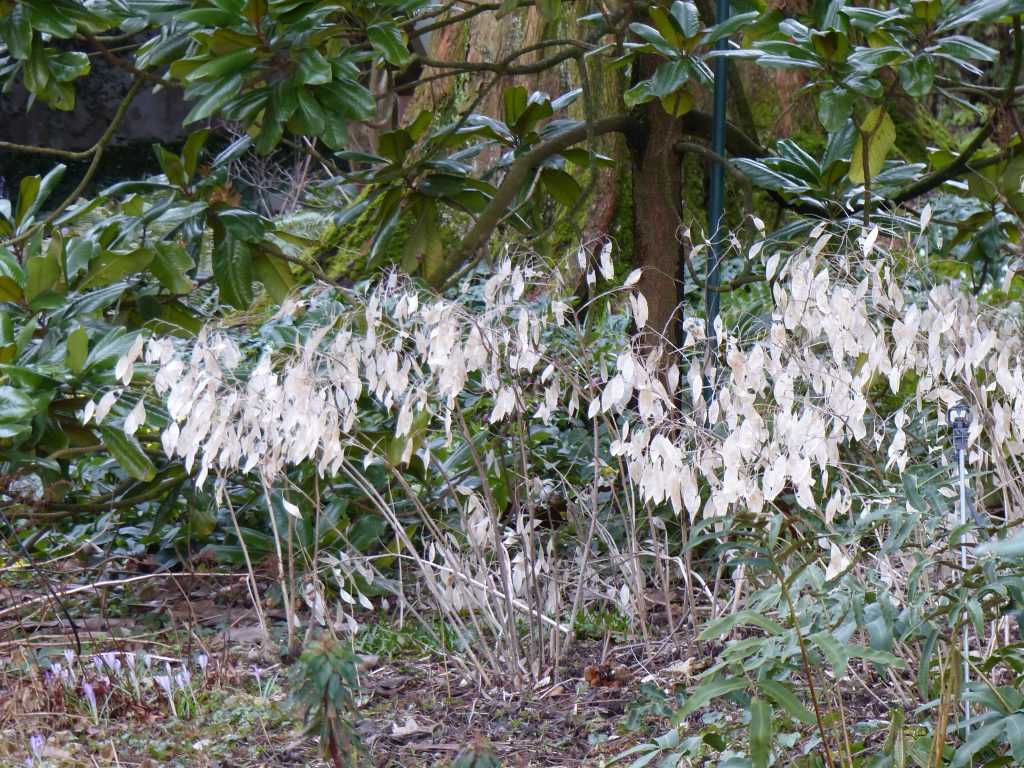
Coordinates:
78 350
877 137
128 453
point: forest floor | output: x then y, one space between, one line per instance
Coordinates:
203 692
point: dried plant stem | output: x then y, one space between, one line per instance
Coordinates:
253 591
805 660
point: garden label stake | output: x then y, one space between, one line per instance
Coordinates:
959 420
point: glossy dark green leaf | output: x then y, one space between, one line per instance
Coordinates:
171 165
190 152
561 186
514 101
729 27
687 16
273 272
313 68
213 17
835 107
128 454
388 41
222 92
653 37
232 271
42 273
917 76
111 266
16 31
10 290
311 112
170 265
69 65
77 350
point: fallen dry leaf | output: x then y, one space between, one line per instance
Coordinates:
409 728
607 676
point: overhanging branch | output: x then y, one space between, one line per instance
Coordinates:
519 174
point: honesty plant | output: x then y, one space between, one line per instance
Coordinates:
796 404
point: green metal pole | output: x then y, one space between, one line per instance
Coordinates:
716 196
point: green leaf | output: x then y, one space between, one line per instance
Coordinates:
670 76
538 108
42 274
213 17
128 453
313 68
348 99
687 16
10 290
705 692
831 44
69 66
395 145
37 71
170 264
388 41
16 411
877 137
760 732
667 26
232 271
78 253
917 76
785 698
16 31
653 37
963 48
765 177
1015 736
28 191
561 186
677 104
514 101
110 266
729 27
274 274
835 652
78 350
171 165
976 742
835 107
869 60
311 112
726 624
1009 548
222 66
214 99
244 225
190 152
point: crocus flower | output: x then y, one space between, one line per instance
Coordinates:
90 696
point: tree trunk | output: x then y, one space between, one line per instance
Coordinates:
657 199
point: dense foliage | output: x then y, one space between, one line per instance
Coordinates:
457 359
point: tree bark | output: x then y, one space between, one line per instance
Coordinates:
657 201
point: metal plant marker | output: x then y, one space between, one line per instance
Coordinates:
958 418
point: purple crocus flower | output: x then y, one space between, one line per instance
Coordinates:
90 696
